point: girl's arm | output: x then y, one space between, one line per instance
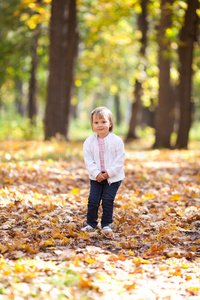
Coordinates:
91 166
118 162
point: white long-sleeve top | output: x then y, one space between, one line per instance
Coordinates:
114 156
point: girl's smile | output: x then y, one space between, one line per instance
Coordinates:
101 126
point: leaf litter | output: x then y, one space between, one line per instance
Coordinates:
155 242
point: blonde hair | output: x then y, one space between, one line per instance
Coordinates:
102 112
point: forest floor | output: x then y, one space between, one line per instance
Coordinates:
154 252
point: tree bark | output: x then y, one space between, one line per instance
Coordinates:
117 108
19 97
136 105
32 105
135 112
163 116
187 38
63 51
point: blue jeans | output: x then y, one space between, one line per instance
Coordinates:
105 192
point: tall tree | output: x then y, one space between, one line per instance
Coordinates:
117 108
32 104
136 105
63 50
165 104
187 38
19 96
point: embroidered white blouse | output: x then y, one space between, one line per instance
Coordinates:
101 153
114 155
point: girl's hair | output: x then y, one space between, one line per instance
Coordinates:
102 112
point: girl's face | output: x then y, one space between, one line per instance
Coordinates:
101 126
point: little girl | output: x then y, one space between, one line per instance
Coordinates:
104 158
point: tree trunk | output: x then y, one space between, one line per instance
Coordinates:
63 51
135 112
117 108
19 97
164 109
136 105
32 105
187 38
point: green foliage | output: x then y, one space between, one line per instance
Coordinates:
106 55
195 132
18 19
109 59
79 131
15 127
65 278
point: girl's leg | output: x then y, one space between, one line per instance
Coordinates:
94 199
108 197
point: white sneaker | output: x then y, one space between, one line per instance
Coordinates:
87 228
107 228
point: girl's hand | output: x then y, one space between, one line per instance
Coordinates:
105 174
100 177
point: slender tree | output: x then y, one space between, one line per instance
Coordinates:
187 39
63 50
32 104
163 116
136 105
117 108
19 96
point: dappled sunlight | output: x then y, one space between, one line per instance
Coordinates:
155 237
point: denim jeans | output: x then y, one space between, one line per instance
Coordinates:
105 192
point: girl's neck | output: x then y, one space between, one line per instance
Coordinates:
102 137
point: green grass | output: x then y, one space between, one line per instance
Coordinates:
15 127
195 132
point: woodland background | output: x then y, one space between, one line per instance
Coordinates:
59 60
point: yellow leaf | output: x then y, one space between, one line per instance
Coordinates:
65 239
193 248
28 248
175 197
85 283
198 178
7 272
195 195
4 249
102 276
73 234
49 242
84 236
75 191
193 290
90 260
179 213
148 196
137 261
131 252
130 286
159 237
184 266
19 268
176 273
24 17
145 261
56 233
